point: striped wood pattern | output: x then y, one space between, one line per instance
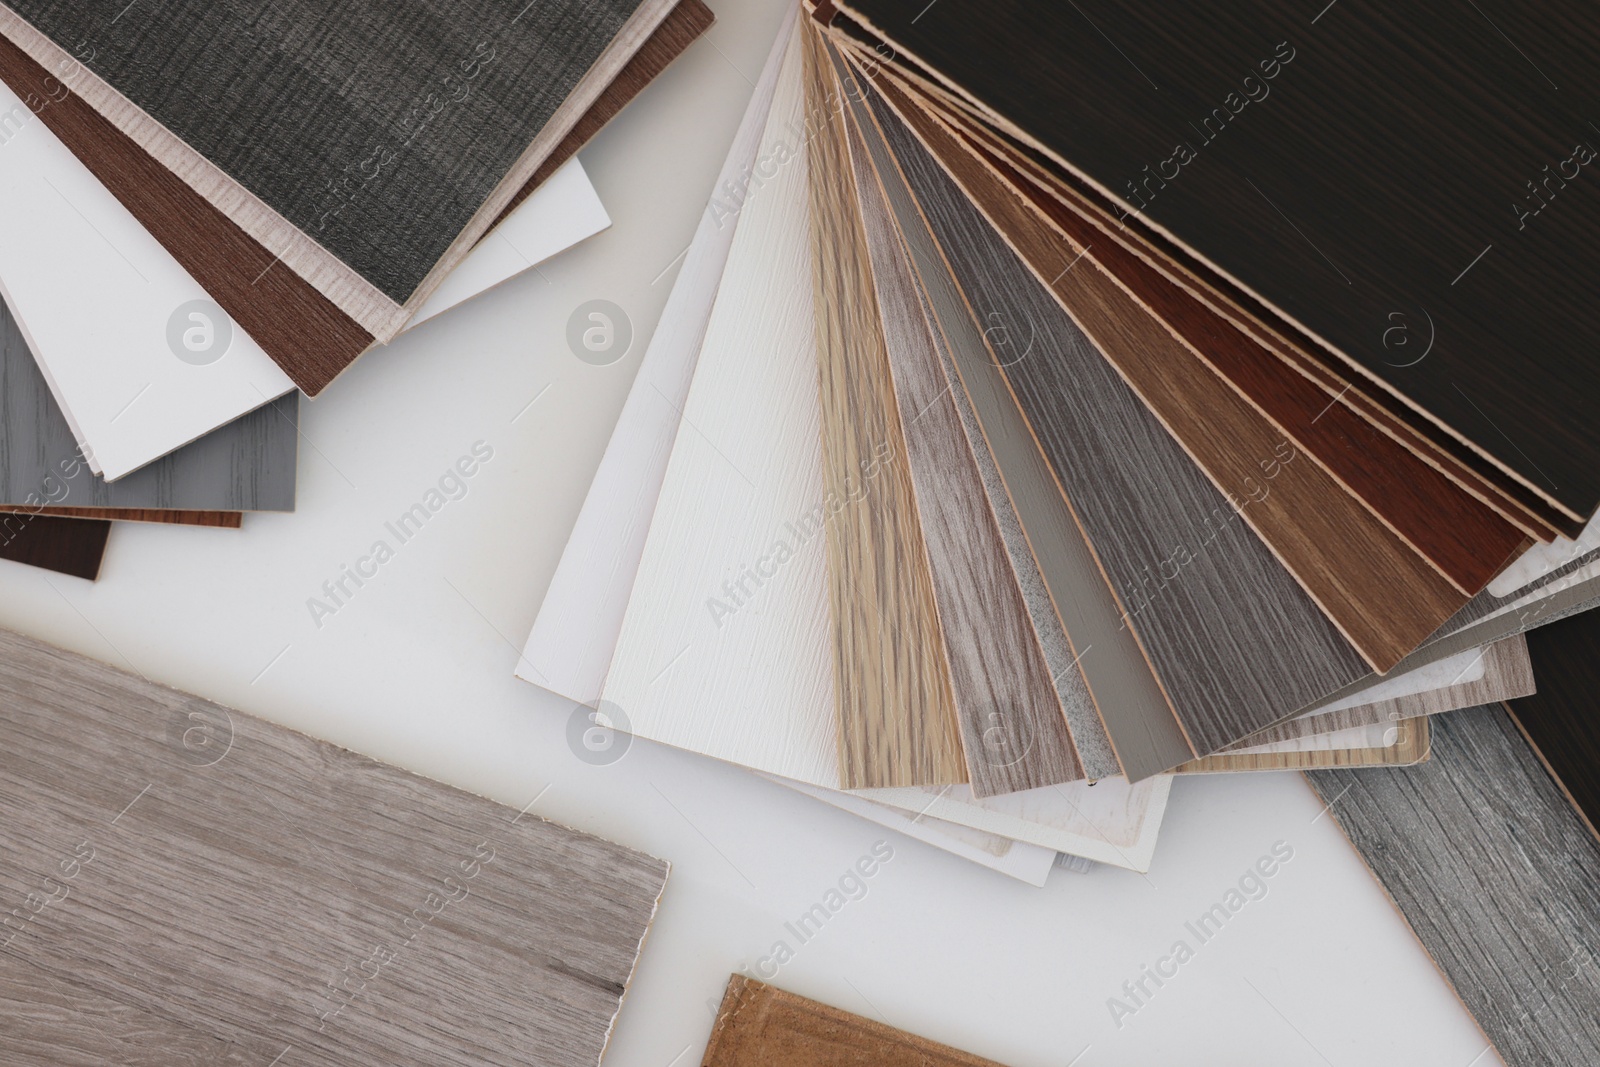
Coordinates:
224 520
760 1025
1141 736
1356 746
1013 727
1214 631
897 714
1497 876
289 897
1382 596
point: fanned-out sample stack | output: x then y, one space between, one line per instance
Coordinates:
1022 431
244 228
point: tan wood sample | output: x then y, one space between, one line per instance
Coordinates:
762 1026
1408 747
896 711
164 857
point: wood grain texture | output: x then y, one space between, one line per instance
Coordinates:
576 632
73 547
898 717
1559 719
247 465
224 520
1497 876
1462 537
1013 726
1401 744
336 203
1266 204
1141 734
1213 630
1507 674
1380 594
252 884
760 1025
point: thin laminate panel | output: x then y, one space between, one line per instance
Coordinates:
223 520
1140 730
67 546
246 465
1383 596
1462 537
1559 719
411 127
1497 876
1458 145
1214 623
899 719
255 885
759 1025
575 634
1013 725
1400 744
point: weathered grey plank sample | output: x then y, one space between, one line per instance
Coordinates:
247 465
1498 877
254 885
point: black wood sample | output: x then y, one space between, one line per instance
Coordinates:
1496 874
1362 168
247 465
1562 720
379 128
1234 640
67 546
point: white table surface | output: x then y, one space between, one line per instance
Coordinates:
415 669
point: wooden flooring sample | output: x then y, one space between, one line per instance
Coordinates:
1498 877
222 520
762 1026
1559 720
1141 735
576 631
296 900
897 712
1211 621
1013 726
67 546
1383 596
1400 744
1244 131
247 465
360 186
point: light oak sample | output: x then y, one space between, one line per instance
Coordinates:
759 1025
1399 744
244 882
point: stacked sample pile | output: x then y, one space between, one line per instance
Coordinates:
1023 431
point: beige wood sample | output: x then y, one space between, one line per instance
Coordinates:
1401 745
163 855
897 715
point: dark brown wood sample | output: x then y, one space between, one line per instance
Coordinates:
1214 621
67 546
226 520
1249 132
305 334
761 1026
1560 720
166 856
1381 595
896 710
1461 536
1497 876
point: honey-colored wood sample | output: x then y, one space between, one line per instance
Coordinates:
761 1026
296 901
897 714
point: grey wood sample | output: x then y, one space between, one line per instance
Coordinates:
378 128
1498 877
1235 641
164 855
1142 734
247 465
